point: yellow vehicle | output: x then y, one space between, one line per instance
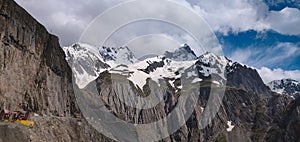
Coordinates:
16 116
25 122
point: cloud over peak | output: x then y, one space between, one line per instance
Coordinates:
269 75
68 18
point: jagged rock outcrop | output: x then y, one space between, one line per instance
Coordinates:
35 77
184 53
243 77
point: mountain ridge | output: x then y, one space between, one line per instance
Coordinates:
287 87
168 65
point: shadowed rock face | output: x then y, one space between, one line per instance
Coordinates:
246 78
287 127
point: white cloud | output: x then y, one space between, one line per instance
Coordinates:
68 18
241 55
269 75
236 15
267 56
286 21
243 15
150 45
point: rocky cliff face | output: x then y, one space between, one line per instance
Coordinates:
250 115
246 78
33 71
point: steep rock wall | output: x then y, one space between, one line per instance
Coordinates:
33 71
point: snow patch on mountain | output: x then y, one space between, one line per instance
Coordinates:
121 55
86 65
197 80
288 87
88 62
139 77
230 126
184 53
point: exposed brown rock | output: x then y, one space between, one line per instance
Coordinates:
33 71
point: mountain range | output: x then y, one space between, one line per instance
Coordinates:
40 77
251 109
89 62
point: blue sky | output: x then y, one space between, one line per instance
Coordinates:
263 34
265 48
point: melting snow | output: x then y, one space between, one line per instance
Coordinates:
202 109
139 78
179 87
84 79
279 91
230 126
216 82
167 71
196 80
172 83
191 74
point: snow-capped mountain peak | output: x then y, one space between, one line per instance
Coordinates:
288 87
121 55
184 53
209 63
89 62
212 58
86 65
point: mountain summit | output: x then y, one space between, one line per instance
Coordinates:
184 53
121 55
